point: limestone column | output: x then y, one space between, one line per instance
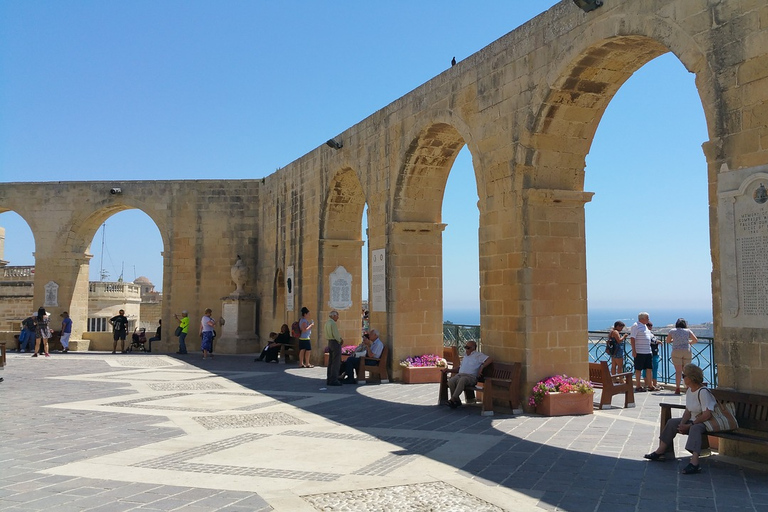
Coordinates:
555 283
335 253
415 290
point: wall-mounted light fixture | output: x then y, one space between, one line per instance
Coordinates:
588 5
335 145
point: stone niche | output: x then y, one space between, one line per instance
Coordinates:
743 225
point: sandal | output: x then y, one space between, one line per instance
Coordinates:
639 390
654 456
310 366
690 469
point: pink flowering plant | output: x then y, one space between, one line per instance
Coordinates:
425 360
558 384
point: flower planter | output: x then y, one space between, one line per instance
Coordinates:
420 374
565 404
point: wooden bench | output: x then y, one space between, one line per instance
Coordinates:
501 382
600 377
451 355
288 349
2 354
751 411
380 370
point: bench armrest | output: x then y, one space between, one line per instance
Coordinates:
671 406
622 374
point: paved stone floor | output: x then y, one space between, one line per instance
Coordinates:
104 432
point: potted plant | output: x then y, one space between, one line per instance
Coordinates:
346 351
422 369
561 395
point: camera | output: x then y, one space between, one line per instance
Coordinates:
115 190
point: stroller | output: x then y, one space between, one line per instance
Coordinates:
138 340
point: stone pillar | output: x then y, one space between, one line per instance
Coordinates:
238 332
334 254
415 294
70 272
556 283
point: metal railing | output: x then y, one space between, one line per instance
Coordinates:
456 335
702 356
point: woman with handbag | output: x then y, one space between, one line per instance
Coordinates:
702 414
42 331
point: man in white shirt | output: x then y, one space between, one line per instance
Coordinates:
373 346
640 337
471 368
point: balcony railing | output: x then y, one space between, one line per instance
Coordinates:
114 288
702 352
703 356
15 273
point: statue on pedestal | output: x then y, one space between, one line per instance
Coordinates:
239 276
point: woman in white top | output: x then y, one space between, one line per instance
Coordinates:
681 339
699 404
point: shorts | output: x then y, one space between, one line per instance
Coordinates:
643 362
119 335
305 344
681 357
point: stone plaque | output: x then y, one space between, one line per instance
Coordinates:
290 283
51 294
229 314
341 289
378 280
743 223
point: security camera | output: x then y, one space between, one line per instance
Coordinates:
116 190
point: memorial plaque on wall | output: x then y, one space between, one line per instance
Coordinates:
341 289
743 223
378 280
51 294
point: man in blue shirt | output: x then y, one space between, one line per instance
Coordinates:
66 331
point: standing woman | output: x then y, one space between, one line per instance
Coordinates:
305 345
206 333
681 339
616 340
42 331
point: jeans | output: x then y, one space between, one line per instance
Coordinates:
334 361
182 343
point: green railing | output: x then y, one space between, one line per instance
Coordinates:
703 354
456 335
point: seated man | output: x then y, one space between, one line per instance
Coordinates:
373 347
471 368
158 334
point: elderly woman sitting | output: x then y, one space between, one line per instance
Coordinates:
699 404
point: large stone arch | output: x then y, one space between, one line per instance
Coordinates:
414 261
340 244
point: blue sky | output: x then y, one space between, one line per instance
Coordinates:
93 90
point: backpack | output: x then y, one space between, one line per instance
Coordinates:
295 330
610 347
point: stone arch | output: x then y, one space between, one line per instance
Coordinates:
343 211
571 103
425 165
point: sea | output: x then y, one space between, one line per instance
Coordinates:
602 319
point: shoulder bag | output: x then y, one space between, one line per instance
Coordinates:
722 417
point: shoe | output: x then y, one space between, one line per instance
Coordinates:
453 405
34 355
639 390
114 352
310 366
690 469
654 456
337 383
47 354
